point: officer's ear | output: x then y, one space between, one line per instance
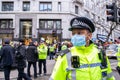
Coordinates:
90 35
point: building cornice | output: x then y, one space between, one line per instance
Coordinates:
37 12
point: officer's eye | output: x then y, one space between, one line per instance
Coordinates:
79 33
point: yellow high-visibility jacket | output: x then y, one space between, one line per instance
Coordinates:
89 65
118 55
42 51
64 47
52 48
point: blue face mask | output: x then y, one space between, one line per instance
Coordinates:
78 40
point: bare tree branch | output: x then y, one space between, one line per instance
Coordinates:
105 29
112 27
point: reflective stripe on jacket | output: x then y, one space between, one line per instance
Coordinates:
89 66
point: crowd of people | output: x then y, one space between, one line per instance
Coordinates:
21 56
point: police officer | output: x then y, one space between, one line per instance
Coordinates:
81 62
52 50
42 56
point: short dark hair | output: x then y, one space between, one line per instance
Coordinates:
6 41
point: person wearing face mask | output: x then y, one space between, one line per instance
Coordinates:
82 61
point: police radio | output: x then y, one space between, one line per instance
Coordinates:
75 62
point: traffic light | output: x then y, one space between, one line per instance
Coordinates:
111 12
118 15
54 33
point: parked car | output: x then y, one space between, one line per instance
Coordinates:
111 50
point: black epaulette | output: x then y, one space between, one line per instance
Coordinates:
63 52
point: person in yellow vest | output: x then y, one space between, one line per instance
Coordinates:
52 49
81 62
42 55
118 59
64 46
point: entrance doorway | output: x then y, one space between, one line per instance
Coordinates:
26 29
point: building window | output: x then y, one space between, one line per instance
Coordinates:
7 6
45 6
50 24
6 23
76 9
42 24
59 6
58 24
26 6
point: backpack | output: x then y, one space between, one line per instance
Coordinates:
18 54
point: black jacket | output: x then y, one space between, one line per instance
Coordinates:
20 56
7 55
31 54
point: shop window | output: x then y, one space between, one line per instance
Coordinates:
50 24
6 23
42 24
58 24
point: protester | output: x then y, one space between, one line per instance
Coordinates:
21 61
32 57
7 58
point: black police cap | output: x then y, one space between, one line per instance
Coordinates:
82 23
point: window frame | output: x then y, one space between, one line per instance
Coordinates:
7 23
59 6
76 9
23 28
26 3
9 4
54 23
45 4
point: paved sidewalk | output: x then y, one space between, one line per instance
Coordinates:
14 73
